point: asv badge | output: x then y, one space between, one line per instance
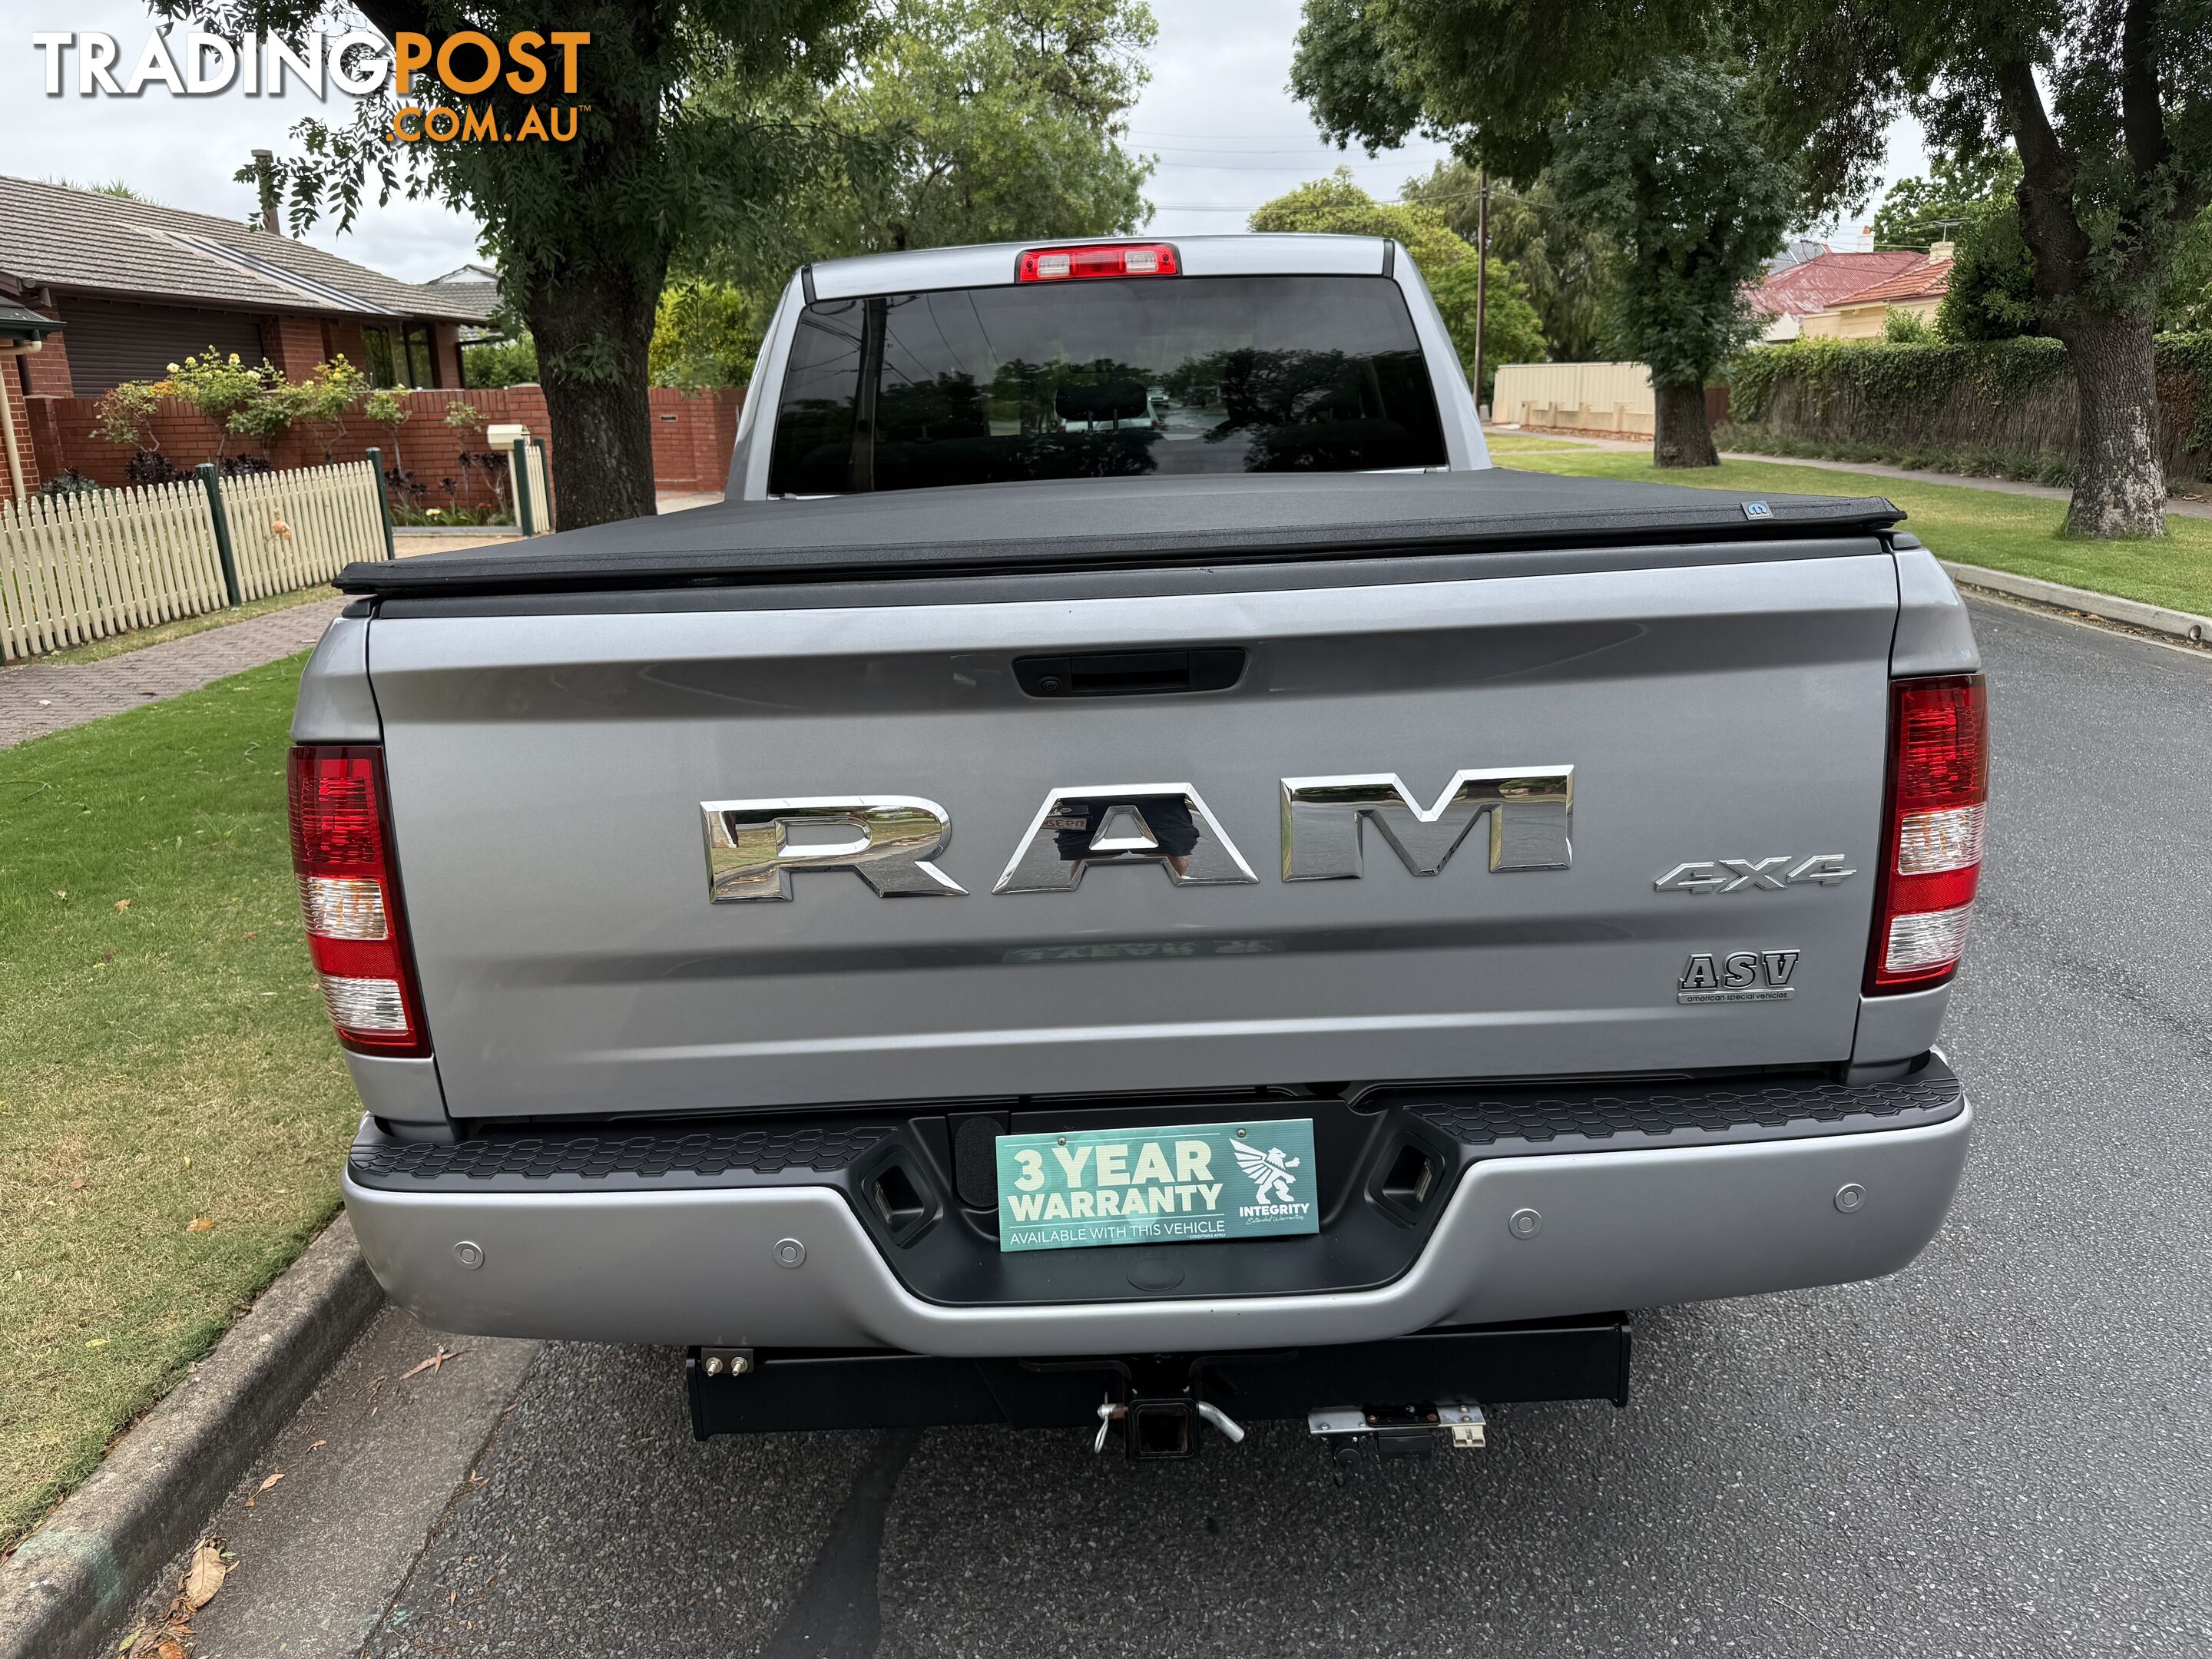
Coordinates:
1738 976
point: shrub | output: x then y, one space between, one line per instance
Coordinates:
322 399
150 466
124 415
68 482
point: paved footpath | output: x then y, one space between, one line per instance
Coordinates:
38 697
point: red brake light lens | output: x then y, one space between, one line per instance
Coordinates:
1061 264
349 891
1934 822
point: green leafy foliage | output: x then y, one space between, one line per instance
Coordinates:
500 363
1903 327
997 120
707 334
1991 296
1885 380
1512 332
322 401
1671 164
1563 261
1918 212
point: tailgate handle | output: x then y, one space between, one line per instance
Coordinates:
1131 673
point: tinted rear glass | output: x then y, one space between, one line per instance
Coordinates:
1104 379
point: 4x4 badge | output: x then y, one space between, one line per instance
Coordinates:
1750 875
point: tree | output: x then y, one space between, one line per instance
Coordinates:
706 334
988 120
1696 209
1335 205
583 230
2108 108
1561 260
1991 292
322 399
1918 213
1514 85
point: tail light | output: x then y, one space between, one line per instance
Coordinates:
1060 264
1939 790
348 887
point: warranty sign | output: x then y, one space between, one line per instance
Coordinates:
1173 1186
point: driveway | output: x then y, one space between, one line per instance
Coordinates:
2006 1450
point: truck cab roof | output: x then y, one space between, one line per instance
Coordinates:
989 264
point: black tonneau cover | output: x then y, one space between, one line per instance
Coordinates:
1101 523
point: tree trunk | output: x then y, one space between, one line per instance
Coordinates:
1680 434
592 327
2119 488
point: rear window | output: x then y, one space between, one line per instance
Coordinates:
1104 379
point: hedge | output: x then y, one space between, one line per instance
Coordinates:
2006 397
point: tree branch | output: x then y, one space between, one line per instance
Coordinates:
2046 183
2140 119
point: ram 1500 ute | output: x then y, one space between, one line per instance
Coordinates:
1127 877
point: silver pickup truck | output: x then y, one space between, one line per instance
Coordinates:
1128 877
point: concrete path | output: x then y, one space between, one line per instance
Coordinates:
2187 506
38 697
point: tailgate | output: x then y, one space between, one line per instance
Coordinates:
548 771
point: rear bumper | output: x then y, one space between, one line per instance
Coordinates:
1616 1229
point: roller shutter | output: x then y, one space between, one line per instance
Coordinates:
110 341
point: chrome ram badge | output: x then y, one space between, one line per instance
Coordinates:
1163 824
888 843
1530 809
753 847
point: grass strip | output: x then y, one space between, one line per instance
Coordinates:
174 1109
1988 528
115 645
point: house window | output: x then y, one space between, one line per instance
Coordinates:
421 370
376 350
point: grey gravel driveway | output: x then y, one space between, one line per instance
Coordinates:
2005 1450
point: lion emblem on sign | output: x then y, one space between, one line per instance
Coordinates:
1270 1169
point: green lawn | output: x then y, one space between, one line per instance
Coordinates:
2018 533
164 1059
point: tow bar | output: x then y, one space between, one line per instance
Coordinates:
1159 1427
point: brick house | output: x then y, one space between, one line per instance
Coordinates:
135 286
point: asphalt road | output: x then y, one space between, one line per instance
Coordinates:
2006 1450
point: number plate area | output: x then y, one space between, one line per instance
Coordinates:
1183 1184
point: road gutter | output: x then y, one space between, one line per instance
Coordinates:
2156 618
100 1553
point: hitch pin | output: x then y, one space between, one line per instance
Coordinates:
1221 1420
1108 1413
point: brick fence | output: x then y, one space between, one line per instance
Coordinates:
693 433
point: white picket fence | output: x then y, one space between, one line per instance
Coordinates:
76 568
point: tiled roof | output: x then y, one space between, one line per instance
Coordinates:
1927 280
56 237
1816 283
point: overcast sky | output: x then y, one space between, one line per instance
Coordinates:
1227 134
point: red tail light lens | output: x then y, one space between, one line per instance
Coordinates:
1939 790
1061 264
348 888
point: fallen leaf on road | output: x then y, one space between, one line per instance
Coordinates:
271 1480
97 1342
123 904
203 1578
168 1650
256 933
436 1361
77 1184
318 1445
200 1224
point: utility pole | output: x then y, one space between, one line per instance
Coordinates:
1482 275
